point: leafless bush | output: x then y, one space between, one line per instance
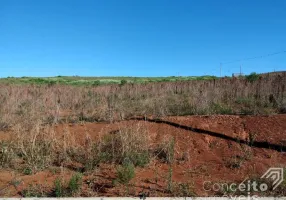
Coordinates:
36 146
166 150
282 108
6 153
52 104
131 143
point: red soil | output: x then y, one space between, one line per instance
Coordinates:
206 157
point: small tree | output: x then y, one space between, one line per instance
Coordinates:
123 82
252 77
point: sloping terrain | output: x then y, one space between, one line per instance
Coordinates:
206 148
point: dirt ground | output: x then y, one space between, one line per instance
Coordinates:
207 148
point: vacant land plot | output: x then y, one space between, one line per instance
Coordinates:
152 139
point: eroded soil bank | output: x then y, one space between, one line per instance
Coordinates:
206 148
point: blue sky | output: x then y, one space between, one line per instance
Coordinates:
140 37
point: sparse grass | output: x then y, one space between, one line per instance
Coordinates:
234 162
59 188
30 111
74 185
125 172
6 153
166 153
36 148
127 143
34 191
284 180
54 170
252 138
4 126
247 105
183 190
170 179
214 144
166 150
72 189
282 108
221 109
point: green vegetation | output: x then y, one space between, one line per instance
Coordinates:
74 185
220 109
252 77
95 81
72 189
58 188
125 172
27 171
123 82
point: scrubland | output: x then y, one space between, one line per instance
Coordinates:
132 139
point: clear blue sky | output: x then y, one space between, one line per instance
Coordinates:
140 37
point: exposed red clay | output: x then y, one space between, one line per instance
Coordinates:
206 157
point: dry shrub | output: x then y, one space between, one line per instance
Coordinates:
40 147
6 153
183 190
36 146
166 150
67 149
85 154
127 143
282 108
26 109
36 190
52 104
4 126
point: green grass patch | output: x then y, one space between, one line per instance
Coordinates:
95 81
